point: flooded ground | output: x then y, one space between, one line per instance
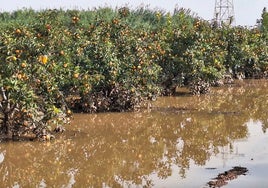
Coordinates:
182 141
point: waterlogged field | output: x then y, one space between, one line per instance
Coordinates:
107 60
182 141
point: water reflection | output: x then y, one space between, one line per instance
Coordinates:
124 149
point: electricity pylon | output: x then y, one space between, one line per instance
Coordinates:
224 13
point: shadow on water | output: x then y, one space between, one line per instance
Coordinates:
129 149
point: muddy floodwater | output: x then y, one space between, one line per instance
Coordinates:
183 141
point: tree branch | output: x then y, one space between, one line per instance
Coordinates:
3 93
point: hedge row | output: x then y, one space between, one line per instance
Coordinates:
111 60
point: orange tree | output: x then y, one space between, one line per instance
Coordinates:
116 73
30 99
246 52
256 64
204 58
190 53
106 60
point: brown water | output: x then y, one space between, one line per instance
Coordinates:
183 141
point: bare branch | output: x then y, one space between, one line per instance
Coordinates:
14 108
3 93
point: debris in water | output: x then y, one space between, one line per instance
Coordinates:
222 178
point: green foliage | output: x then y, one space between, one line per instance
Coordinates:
30 96
121 74
112 60
246 52
264 20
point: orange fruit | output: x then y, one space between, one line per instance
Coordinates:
69 112
18 31
23 65
25 123
76 75
19 76
13 58
75 19
43 59
61 52
48 27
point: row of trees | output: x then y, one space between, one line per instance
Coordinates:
112 60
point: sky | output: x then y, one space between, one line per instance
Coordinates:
246 11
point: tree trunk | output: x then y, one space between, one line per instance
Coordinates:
7 127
